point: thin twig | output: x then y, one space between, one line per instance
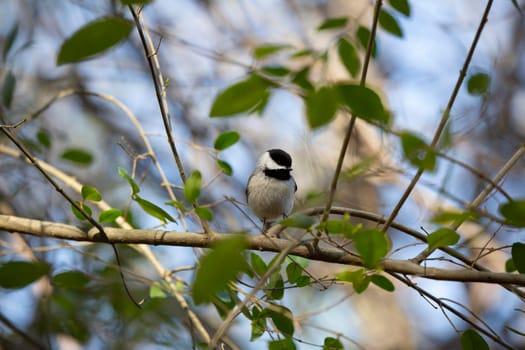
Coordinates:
444 117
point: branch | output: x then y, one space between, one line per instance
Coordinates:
258 242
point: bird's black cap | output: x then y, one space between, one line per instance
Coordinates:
281 157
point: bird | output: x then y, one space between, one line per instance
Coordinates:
270 191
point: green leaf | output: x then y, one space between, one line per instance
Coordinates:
153 210
73 279
18 274
109 215
333 23
303 281
258 264
243 96
90 193
471 340
358 278
275 287
478 84
514 212
302 79
382 282
444 217
301 221
389 23
281 317
78 156
321 106
441 238
518 256
363 35
401 6
510 266
418 152
372 246
204 213
156 291
332 344
78 213
94 38
192 187
275 70
225 167
124 174
282 344
341 227
349 56
293 272
8 89
258 327
226 139
364 102
9 40
220 266
263 51
44 138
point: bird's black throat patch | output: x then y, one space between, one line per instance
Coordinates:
279 174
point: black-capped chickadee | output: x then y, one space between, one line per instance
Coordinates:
271 188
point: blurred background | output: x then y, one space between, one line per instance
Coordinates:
205 46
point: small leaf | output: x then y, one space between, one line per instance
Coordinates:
401 6
333 23
77 156
18 274
299 221
293 272
156 291
382 282
263 51
153 209
510 266
363 35
332 344
109 215
204 213
90 193
243 96
282 344
192 187
226 139
303 281
341 227
348 56
371 245
258 264
93 39
478 84
358 278
258 327
514 212
418 152
364 102
73 279
78 213
518 256
8 89
302 79
321 106
275 287
225 167
275 70
389 23
441 238
471 340
44 138
281 317
444 217
9 40
217 268
124 174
